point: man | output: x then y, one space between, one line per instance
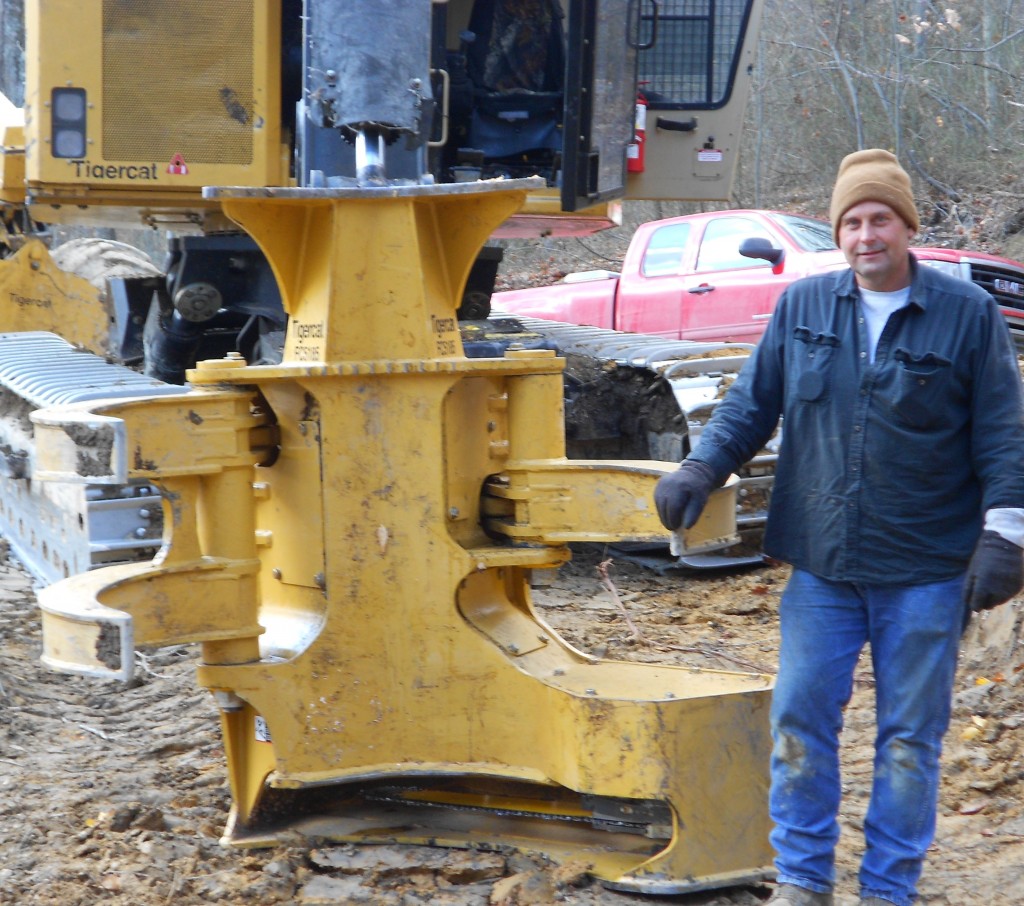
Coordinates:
899 503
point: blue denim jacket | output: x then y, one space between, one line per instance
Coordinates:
886 468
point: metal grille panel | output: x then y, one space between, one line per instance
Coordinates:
197 97
694 58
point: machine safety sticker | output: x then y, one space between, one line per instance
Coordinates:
709 156
308 339
262 730
177 166
445 334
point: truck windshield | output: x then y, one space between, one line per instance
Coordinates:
810 234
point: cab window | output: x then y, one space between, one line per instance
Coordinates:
694 52
720 247
664 255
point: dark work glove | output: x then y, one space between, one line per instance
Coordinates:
680 496
995 573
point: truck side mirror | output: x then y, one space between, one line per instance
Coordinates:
759 247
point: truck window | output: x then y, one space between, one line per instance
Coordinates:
720 247
695 54
811 235
664 253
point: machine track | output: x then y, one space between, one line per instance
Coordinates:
57 530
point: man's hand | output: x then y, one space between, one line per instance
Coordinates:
680 496
995 573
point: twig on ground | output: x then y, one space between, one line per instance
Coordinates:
171 651
712 651
94 730
606 581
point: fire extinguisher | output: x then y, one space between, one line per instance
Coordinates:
635 149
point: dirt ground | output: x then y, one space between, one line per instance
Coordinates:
116 794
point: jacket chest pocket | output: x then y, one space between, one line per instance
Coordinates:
921 389
813 355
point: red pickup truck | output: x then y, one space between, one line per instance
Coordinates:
717 276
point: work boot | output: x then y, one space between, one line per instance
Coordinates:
791 895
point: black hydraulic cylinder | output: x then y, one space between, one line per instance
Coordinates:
368 65
171 344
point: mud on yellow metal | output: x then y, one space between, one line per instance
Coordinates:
349 534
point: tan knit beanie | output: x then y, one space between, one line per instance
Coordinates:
872 175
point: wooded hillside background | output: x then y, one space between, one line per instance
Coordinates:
941 84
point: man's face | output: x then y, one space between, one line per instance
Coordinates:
875 239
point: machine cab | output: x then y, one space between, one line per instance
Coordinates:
138 106
605 99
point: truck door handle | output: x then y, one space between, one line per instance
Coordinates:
700 290
675 125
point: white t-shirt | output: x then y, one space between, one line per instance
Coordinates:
876 308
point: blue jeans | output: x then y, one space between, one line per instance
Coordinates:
914 632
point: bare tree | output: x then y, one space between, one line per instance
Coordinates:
936 81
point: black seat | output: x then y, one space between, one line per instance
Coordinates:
515 63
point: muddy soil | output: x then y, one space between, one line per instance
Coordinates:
116 794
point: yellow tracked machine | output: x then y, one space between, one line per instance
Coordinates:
340 506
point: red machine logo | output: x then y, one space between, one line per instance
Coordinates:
177 166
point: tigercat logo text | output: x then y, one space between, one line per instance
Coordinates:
30 302
88 170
